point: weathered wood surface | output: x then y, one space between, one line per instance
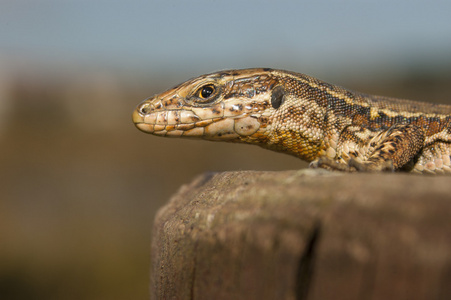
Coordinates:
306 234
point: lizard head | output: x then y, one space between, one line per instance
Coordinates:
229 105
256 106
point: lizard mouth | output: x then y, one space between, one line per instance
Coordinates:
186 123
222 121
172 123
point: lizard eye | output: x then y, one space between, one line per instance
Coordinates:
204 95
206 91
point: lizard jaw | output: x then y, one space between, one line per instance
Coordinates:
185 123
225 121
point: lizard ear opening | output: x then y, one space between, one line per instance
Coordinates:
277 96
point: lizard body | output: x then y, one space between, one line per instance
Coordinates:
327 125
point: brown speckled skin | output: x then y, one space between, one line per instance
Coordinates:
300 115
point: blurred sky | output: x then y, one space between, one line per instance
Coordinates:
201 35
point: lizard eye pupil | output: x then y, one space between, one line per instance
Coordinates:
206 91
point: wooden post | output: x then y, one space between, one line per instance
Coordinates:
306 234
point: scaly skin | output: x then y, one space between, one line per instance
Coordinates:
327 125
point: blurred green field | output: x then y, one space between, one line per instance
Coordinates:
80 185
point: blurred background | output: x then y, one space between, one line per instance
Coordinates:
80 185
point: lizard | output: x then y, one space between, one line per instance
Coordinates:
324 124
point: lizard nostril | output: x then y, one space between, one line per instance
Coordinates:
144 108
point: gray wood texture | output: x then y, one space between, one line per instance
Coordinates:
307 234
